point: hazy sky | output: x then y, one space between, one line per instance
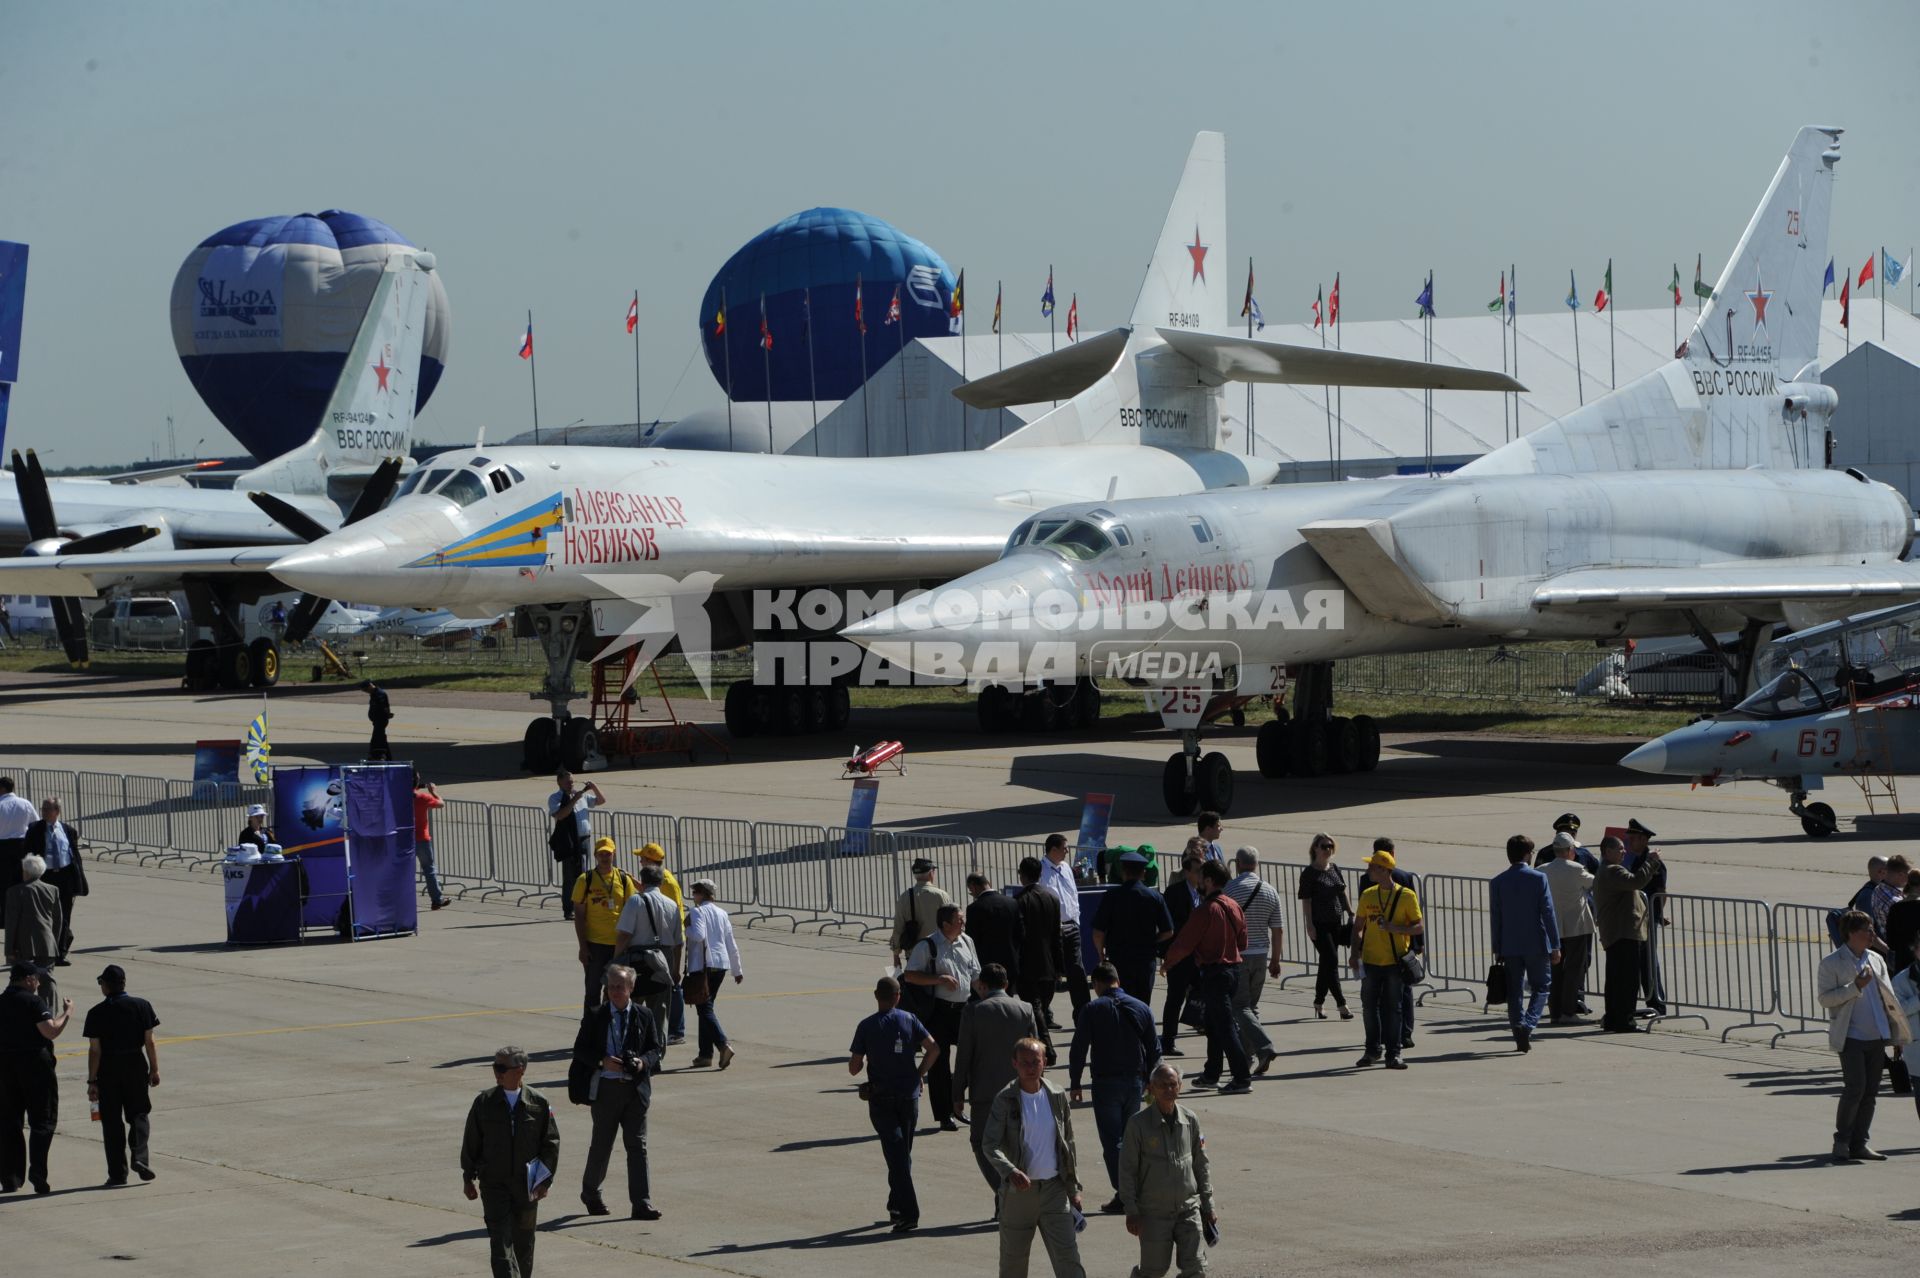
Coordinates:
556 157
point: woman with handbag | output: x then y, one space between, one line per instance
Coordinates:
711 954
1388 916
1329 922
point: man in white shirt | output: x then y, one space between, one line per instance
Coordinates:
1852 985
1029 1140
570 843
649 939
1571 886
1261 956
1056 875
947 965
1208 823
16 814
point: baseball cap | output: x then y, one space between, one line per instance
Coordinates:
1384 859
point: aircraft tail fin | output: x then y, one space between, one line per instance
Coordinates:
370 416
13 307
1186 283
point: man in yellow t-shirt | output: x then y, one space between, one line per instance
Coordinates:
1387 915
598 897
654 854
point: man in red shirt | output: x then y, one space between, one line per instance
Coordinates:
426 797
1214 935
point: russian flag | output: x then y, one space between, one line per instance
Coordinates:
526 342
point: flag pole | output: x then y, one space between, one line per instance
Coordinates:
1513 292
906 431
1503 356
1613 375
813 386
1249 338
1339 405
999 352
1326 392
636 367
1579 376
726 351
1051 308
1880 281
866 392
1676 307
533 376
962 288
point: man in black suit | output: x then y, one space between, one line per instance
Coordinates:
58 844
1652 988
993 921
615 1056
1040 945
1183 896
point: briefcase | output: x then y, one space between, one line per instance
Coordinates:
1496 983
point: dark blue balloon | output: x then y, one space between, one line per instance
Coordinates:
816 257
265 312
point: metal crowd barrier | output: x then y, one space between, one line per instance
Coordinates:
1715 953
1800 941
721 849
463 847
522 859
795 869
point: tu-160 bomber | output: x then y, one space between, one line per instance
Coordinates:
606 541
1692 499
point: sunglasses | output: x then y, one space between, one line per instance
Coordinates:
506 1069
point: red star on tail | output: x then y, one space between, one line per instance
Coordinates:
1199 252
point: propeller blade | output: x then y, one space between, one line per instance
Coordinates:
112 539
290 517
305 616
374 495
71 626
36 504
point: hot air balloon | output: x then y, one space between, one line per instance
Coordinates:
265 312
822 251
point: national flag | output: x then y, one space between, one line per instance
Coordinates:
1573 293
1046 298
1499 303
526 342
1513 300
998 290
1675 286
1605 294
257 751
1333 301
1259 320
859 308
1246 307
1073 319
1425 300
1866 272
766 335
1827 283
893 307
957 303
720 320
1892 270
1700 287
633 312
1844 285
1318 296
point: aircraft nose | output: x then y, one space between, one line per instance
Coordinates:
1651 757
350 564
984 618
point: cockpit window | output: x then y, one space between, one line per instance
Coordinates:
1120 535
463 489
1019 535
1201 532
1793 693
413 482
499 480
434 479
1078 539
518 478
478 463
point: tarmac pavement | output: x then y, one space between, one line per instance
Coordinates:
313 1095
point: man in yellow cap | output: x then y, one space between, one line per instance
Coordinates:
654 854
598 897
1384 923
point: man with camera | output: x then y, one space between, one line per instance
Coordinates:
572 832
615 1056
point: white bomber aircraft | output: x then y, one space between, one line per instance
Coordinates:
351 455
611 538
1691 499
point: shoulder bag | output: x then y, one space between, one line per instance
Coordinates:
1413 968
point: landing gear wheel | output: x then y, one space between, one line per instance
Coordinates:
1173 787
839 707
1818 821
813 711
233 666
1239 716
790 706
266 662
1270 748
1343 746
741 719
537 746
1086 705
1213 783
1369 733
1039 712
578 743
1307 748
200 659
992 708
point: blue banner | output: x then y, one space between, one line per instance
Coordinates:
866 793
263 903
13 308
309 815
215 763
1095 816
379 829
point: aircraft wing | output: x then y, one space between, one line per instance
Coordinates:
1060 374
1706 587
1246 359
73 575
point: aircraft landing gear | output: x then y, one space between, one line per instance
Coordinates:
1817 819
1053 707
1312 740
1192 781
754 709
559 740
